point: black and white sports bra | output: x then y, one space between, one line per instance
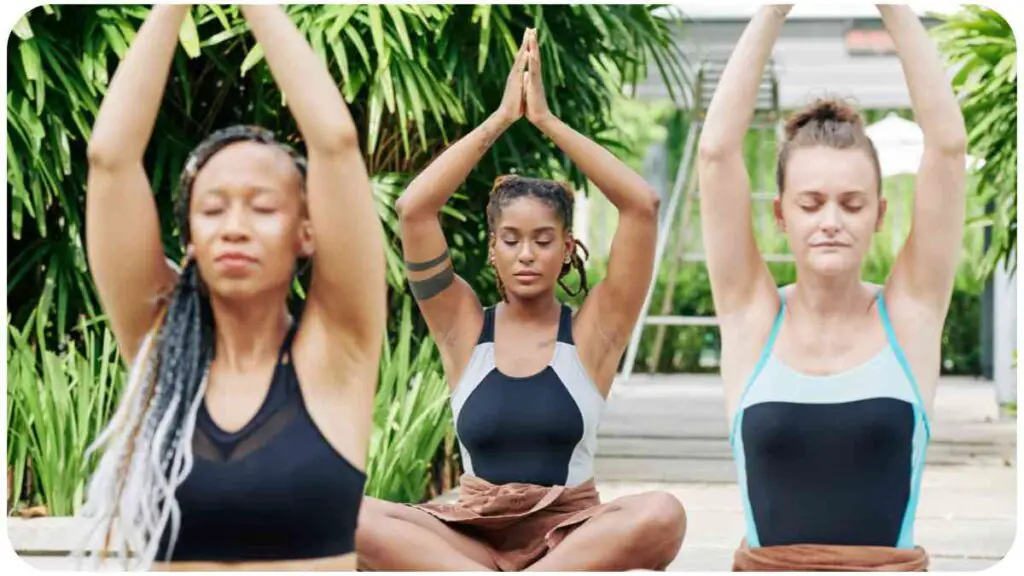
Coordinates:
539 429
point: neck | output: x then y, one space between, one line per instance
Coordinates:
538 309
248 333
828 296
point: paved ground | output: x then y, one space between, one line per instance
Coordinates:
669 433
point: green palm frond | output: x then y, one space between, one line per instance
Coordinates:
981 44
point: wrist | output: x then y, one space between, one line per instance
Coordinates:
176 10
500 121
543 122
258 10
892 9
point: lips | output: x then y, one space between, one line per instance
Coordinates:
526 277
235 258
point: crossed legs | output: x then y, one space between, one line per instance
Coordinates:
395 537
644 531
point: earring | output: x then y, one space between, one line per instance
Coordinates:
186 258
568 259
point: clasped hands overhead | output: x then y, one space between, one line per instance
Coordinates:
524 89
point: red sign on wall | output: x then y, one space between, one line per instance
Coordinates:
869 41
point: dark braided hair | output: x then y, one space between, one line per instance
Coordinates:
560 197
148 443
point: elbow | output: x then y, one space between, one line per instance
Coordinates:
712 150
406 208
953 144
647 205
950 140
651 204
335 139
402 207
103 156
416 204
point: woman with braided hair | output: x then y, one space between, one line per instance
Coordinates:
241 439
829 382
528 378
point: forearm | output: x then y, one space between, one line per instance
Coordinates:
623 187
431 189
935 107
732 106
313 98
126 117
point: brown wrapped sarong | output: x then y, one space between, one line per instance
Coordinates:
518 523
827 558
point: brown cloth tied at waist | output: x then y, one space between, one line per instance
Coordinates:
518 523
829 558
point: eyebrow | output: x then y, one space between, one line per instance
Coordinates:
841 194
535 230
254 191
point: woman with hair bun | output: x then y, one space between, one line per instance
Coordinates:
830 381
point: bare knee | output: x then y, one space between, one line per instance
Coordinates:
373 512
374 508
662 519
372 532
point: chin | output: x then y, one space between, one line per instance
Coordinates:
529 292
235 288
834 265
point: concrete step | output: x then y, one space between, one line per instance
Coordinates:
670 470
658 451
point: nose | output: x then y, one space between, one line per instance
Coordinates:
831 219
236 224
526 253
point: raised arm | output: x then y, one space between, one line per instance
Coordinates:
736 269
447 302
121 222
615 304
348 289
926 267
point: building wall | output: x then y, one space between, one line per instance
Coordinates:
810 58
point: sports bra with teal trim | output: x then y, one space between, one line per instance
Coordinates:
831 459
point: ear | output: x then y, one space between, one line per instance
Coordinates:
490 249
777 210
570 246
306 245
883 207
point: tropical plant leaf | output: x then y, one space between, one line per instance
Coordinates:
981 44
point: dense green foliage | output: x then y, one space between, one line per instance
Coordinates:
416 77
981 44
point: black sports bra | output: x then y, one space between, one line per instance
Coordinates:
274 490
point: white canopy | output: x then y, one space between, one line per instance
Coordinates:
900 145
